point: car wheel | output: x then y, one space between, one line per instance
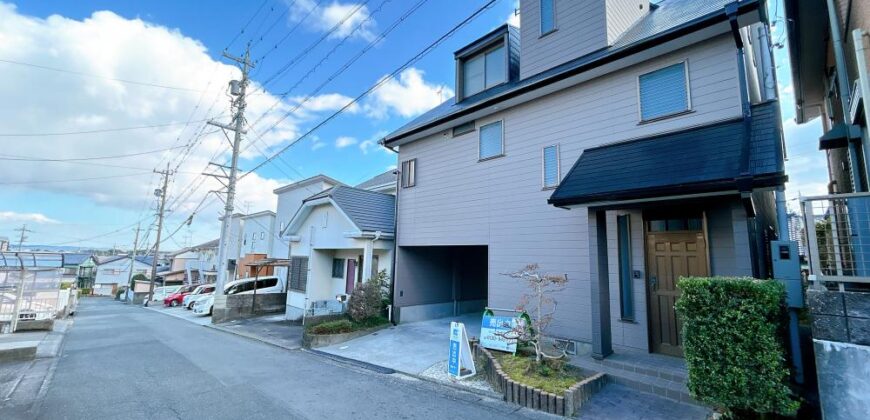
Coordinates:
210 310
173 303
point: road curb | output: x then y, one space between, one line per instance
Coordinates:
252 337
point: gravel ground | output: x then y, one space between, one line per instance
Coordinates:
438 372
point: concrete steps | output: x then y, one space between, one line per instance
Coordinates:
658 375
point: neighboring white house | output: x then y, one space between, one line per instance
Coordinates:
4 244
114 271
290 198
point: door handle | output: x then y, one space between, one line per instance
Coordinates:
653 282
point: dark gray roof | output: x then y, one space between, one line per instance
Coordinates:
380 179
112 258
670 19
370 211
697 160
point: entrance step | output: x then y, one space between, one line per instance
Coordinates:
659 375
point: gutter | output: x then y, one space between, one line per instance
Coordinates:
861 50
741 7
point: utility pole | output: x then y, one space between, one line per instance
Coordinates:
23 229
238 89
131 293
160 193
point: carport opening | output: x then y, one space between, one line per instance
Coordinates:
440 281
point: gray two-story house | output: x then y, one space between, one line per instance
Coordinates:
619 142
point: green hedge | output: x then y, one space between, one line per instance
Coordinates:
732 343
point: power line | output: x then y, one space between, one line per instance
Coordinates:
287 35
235 38
33 159
73 180
104 130
374 87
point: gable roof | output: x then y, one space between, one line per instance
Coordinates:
669 20
106 259
388 177
369 211
307 181
698 160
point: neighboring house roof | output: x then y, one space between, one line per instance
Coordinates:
697 160
308 181
386 178
75 259
259 213
369 211
669 20
112 258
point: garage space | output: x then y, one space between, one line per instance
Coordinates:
440 281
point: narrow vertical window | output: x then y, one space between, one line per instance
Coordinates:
548 16
409 173
626 304
491 141
551 166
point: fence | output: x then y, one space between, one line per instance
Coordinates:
838 238
30 288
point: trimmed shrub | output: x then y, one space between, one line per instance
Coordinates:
365 301
732 343
333 327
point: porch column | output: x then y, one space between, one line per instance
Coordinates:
368 254
600 284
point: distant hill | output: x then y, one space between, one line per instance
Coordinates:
53 248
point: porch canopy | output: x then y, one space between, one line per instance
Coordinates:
725 157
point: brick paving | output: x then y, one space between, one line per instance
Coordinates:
619 402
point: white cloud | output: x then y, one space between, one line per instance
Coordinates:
345 141
112 46
352 18
408 96
807 166
372 142
11 216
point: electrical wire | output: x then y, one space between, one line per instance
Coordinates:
104 130
33 159
74 180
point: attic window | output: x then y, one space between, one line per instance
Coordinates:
484 70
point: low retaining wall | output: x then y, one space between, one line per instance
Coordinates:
40 325
246 306
530 397
311 341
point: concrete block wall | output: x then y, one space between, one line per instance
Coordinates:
244 306
840 316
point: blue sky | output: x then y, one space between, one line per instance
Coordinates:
178 44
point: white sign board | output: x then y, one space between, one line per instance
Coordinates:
460 364
493 330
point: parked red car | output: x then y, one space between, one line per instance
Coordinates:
176 298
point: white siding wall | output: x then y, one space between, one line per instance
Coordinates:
117 272
621 15
580 29
500 202
258 234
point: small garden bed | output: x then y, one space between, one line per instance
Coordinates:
551 378
346 325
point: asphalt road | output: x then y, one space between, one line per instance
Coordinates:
121 362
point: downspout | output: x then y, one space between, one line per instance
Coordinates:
858 173
744 180
392 308
861 48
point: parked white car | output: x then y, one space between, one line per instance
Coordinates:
264 285
197 293
161 293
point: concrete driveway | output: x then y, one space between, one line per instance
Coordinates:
409 348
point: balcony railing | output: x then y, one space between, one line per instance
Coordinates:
838 238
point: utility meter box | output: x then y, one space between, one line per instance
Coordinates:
787 270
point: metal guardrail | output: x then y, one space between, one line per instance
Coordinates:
838 237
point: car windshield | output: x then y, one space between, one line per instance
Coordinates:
197 291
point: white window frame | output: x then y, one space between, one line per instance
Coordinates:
689 108
480 130
544 167
541 20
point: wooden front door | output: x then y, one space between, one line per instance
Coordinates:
671 255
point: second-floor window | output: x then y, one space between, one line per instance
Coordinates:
491 141
551 166
548 16
484 71
664 92
409 173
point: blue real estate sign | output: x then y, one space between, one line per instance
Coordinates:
492 332
459 362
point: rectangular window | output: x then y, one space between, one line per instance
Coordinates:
463 128
548 16
484 71
298 273
338 268
623 227
409 173
664 92
491 140
551 166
